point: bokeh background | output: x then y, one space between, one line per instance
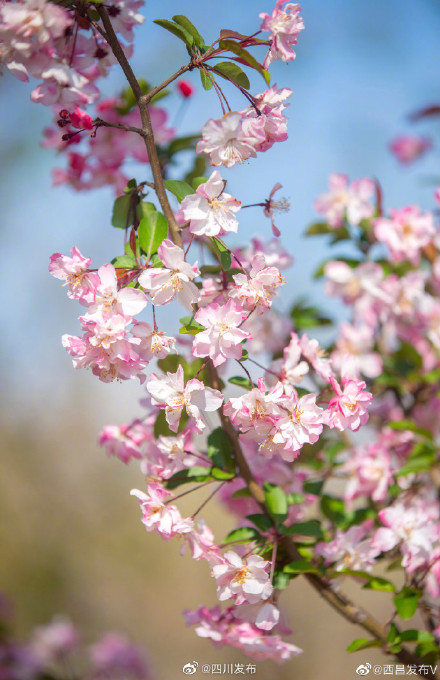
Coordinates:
71 540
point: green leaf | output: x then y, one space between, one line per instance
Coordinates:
245 56
145 208
241 381
373 582
198 168
362 643
220 450
416 636
311 527
295 498
123 212
333 508
189 475
230 71
406 602
221 475
300 567
207 79
178 188
182 144
190 28
191 327
280 580
224 254
243 535
313 486
319 228
124 262
416 465
308 316
276 501
177 30
153 229
412 427
262 522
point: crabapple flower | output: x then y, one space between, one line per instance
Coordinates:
226 141
316 356
175 280
114 656
290 369
284 25
125 441
271 207
80 119
346 201
408 148
210 210
301 423
157 514
256 411
222 338
110 300
351 283
152 344
348 409
349 550
370 472
256 290
247 581
227 628
169 392
405 232
73 270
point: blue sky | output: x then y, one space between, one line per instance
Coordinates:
360 68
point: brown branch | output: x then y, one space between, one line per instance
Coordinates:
98 122
152 93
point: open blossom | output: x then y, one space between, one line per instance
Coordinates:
227 141
175 280
110 300
114 656
125 441
246 580
405 232
256 290
257 410
284 25
349 550
350 283
170 393
316 355
273 206
370 471
290 369
408 148
353 201
414 527
348 409
358 342
227 628
211 210
301 423
152 344
222 338
73 270
157 514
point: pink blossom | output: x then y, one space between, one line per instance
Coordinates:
226 140
348 409
245 580
414 527
349 550
353 202
370 472
405 233
256 411
316 356
119 362
225 628
408 148
210 210
73 270
274 253
222 338
169 392
350 283
124 441
152 344
301 423
175 280
284 25
357 341
271 207
51 643
110 300
255 291
81 119
114 656
268 331
157 514
290 369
